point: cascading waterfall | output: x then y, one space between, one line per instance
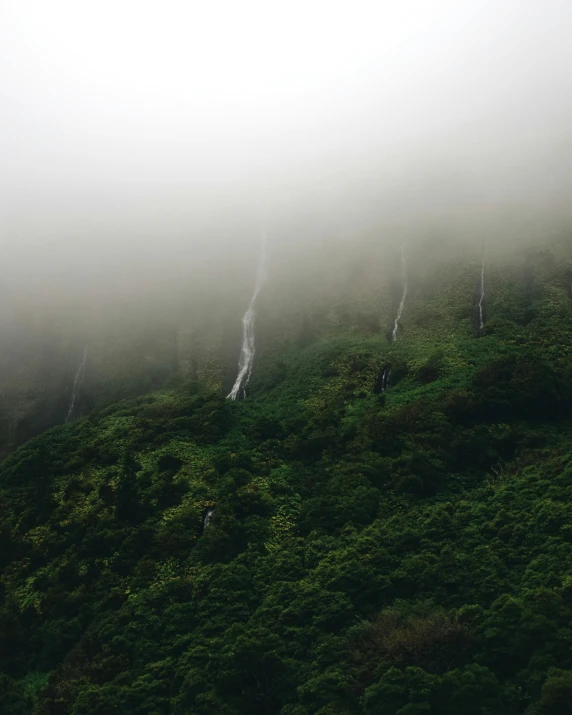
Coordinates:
404 295
247 352
78 379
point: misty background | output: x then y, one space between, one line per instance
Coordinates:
144 146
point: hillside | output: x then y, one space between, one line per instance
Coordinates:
370 547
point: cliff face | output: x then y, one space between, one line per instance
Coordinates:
380 527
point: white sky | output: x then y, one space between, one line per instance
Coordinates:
134 116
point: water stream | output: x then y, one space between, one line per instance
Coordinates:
207 518
403 296
482 292
78 379
246 358
385 379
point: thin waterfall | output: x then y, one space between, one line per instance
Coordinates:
385 379
482 291
404 295
207 518
247 352
78 379
482 296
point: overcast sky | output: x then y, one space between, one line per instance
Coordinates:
136 122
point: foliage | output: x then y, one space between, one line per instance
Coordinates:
396 552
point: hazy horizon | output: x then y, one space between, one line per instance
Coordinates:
152 134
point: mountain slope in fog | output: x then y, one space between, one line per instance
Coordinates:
166 327
335 543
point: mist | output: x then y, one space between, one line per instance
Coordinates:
286 357
145 145
136 125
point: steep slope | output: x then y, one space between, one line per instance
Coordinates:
368 550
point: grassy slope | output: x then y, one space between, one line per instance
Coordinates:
399 553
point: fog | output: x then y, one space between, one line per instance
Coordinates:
143 140
133 129
146 145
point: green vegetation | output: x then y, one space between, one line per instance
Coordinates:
385 553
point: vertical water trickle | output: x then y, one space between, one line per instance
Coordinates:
482 291
246 358
385 379
76 387
207 518
403 296
482 296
